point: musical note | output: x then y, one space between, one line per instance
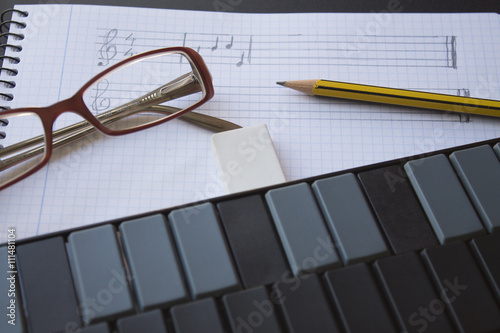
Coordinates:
101 103
249 54
230 45
216 43
108 50
240 63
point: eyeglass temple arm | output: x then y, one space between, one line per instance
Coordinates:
184 85
162 94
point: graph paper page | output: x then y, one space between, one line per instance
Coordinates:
100 178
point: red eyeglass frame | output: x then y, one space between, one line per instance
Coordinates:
75 104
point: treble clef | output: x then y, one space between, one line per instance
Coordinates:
108 49
101 103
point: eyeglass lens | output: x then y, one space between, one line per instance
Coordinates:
128 97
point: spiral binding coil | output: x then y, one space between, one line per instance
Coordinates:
8 84
4 36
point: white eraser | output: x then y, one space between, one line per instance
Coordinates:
246 159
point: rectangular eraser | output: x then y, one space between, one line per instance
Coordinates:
246 159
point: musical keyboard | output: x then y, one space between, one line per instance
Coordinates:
409 245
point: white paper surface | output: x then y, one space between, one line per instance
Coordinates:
101 178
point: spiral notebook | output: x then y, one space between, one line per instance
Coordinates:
56 48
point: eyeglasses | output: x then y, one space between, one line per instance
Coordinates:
127 97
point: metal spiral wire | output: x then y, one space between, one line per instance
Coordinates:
7 40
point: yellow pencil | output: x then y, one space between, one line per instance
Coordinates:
403 97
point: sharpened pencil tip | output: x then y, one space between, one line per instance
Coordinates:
281 83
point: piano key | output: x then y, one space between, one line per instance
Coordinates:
151 321
98 274
448 208
251 311
487 251
350 219
203 250
496 148
463 288
411 294
45 276
304 305
356 296
253 241
479 170
303 233
97 328
196 317
398 210
13 320
158 280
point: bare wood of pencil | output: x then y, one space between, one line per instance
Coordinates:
393 96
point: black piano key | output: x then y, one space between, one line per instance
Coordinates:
197 317
356 294
47 286
463 288
253 241
305 305
151 321
487 251
413 299
398 210
251 310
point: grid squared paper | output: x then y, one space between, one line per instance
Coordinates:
101 178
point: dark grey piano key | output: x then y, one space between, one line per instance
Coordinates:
443 198
10 294
155 269
98 273
97 328
349 216
463 288
151 321
197 317
398 210
203 250
360 303
496 148
303 233
305 305
251 310
411 295
487 251
479 170
253 240
47 286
